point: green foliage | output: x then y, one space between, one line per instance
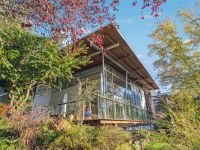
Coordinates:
179 58
158 146
8 144
61 134
125 146
65 135
159 139
111 138
74 137
179 63
8 139
47 134
27 59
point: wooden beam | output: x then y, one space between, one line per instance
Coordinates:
123 122
124 57
138 72
111 46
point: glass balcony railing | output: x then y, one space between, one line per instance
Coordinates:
102 108
109 108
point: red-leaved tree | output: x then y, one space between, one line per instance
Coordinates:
71 19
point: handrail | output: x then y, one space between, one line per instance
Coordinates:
127 103
110 99
121 102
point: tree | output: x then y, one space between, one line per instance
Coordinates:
68 19
27 60
178 64
179 57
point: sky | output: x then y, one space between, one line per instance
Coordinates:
136 31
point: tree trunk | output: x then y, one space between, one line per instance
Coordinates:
27 95
11 103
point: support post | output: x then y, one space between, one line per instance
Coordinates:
126 85
104 85
98 116
103 72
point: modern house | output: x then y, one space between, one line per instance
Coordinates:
122 83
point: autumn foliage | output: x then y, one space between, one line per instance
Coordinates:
71 19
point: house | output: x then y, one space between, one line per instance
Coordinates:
122 82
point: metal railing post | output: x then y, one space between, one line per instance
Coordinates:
98 106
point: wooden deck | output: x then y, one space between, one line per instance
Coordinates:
96 122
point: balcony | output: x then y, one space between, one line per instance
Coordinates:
103 108
117 98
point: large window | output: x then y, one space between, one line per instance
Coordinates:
110 109
128 112
109 83
102 108
78 96
119 87
119 111
116 86
136 96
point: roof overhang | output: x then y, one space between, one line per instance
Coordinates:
120 52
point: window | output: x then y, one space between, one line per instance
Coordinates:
128 112
119 87
119 111
110 109
102 108
109 83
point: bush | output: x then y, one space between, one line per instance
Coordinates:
23 130
158 146
62 134
73 137
125 146
9 138
8 144
109 137
47 134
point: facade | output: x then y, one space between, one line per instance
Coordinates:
121 84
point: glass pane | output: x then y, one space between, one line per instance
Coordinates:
119 111
56 97
96 80
136 116
94 108
102 109
110 108
128 112
109 86
119 87
71 93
